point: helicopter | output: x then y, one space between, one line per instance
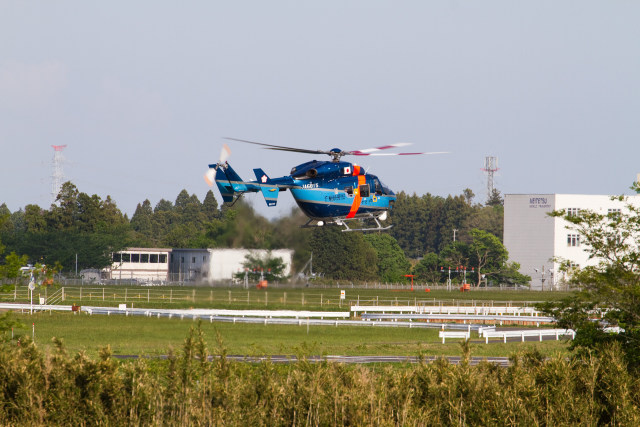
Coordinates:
333 191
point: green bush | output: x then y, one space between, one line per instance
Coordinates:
195 387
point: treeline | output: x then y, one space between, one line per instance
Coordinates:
426 224
192 388
421 241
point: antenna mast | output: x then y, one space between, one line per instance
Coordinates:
490 166
57 177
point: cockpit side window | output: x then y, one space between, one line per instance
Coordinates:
378 187
349 190
364 190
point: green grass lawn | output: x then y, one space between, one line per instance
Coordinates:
300 298
152 336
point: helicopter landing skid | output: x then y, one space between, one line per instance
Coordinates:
344 222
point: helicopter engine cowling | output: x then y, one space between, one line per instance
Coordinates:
325 170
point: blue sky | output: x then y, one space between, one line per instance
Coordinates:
143 92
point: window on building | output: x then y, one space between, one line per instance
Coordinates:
613 212
163 258
144 257
117 257
182 259
126 257
135 257
193 260
204 258
573 240
153 258
573 211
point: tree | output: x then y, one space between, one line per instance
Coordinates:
495 199
488 253
487 218
342 256
611 282
4 216
35 219
455 254
392 263
269 267
141 221
12 264
425 223
182 200
210 206
428 268
163 206
79 224
468 195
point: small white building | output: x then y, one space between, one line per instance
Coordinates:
141 264
218 265
536 240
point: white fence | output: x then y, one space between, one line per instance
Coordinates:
539 333
447 309
453 334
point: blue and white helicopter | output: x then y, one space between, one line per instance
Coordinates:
326 191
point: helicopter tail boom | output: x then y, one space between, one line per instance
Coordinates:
230 184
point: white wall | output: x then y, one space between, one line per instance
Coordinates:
143 271
534 239
529 233
224 263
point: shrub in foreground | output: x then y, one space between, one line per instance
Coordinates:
194 388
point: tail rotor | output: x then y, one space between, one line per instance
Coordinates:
210 175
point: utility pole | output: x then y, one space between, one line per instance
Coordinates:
455 230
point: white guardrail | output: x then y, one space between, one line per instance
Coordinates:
196 312
460 317
34 307
446 309
539 333
453 334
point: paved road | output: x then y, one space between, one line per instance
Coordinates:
500 361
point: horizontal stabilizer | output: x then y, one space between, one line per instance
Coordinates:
270 192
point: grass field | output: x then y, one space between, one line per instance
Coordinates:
152 336
273 298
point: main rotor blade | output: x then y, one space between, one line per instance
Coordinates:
399 154
280 147
371 150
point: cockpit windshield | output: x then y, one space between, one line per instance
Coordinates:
380 188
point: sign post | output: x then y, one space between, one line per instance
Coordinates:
32 286
412 276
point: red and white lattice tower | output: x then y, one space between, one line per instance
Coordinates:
57 178
490 166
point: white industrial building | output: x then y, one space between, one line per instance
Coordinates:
141 264
218 265
536 240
